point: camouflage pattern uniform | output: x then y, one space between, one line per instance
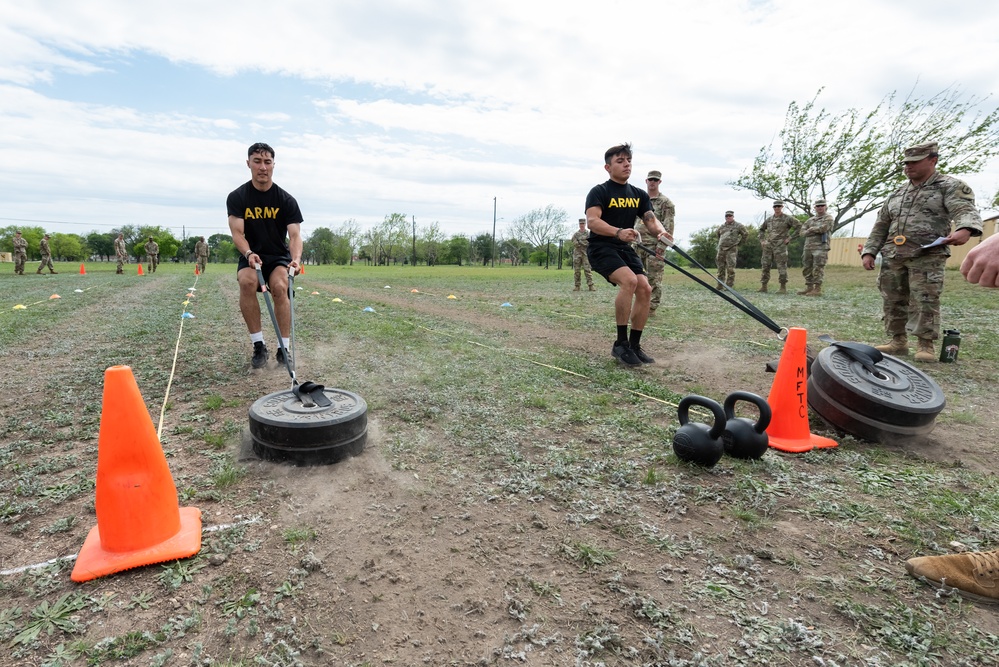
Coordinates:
579 259
121 253
46 255
911 278
20 254
201 255
815 253
730 236
775 234
654 266
153 251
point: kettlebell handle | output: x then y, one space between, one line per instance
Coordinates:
683 409
758 401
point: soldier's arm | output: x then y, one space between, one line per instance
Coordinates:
959 201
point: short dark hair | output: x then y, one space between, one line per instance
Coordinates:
259 147
613 151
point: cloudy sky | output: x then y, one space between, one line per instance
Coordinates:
117 112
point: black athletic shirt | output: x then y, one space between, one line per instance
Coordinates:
266 216
620 204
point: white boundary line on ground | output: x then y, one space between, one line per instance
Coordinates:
206 529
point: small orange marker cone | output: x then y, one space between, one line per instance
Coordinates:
140 270
83 271
196 272
788 399
301 270
139 521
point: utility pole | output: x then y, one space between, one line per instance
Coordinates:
414 240
493 258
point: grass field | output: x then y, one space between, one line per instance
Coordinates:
518 501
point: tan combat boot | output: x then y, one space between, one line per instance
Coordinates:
576 288
924 350
783 288
975 575
808 288
899 346
763 288
816 291
592 288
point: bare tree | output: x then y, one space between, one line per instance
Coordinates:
541 226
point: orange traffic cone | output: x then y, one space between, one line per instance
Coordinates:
301 270
140 270
788 400
83 271
139 521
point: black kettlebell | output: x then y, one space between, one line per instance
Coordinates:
695 442
742 438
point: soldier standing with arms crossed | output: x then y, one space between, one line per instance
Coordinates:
730 235
665 214
775 235
20 253
815 254
153 252
912 275
120 252
579 258
46 255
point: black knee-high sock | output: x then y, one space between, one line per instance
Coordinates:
622 333
636 337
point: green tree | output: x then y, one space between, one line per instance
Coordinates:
456 250
482 247
68 247
101 244
320 246
221 248
853 158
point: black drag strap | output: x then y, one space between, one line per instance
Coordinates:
728 294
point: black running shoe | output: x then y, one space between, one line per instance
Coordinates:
640 353
259 355
623 353
279 356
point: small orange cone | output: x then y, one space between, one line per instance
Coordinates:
140 270
788 399
83 271
196 272
301 270
139 521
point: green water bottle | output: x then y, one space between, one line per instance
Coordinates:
951 343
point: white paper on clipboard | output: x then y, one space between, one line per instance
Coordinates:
941 240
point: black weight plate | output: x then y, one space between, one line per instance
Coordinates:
898 394
282 429
848 421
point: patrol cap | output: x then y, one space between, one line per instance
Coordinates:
582 221
777 203
655 174
920 152
820 202
729 212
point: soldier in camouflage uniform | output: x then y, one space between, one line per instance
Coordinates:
730 235
665 213
153 252
815 253
46 255
912 275
775 235
20 253
120 252
579 259
201 254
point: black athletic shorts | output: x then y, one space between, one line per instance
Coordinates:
269 264
606 258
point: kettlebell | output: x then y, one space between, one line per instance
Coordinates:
742 438
695 442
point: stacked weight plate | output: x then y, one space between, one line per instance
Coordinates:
896 400
283 429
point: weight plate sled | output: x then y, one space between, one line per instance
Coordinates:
897 394
283 429
845 420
